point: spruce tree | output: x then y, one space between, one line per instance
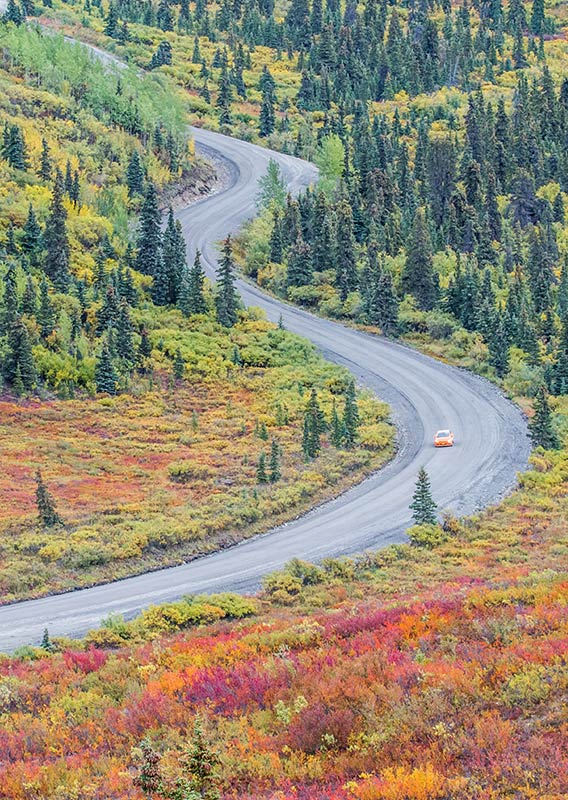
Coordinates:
19 359
47 513
45 168
46 311
261 475
196 281
350 416
418 276
135 175
144 351
105 376
274 471
267 119
111 23
149 236
423 506
540 426
56 262
299 270
226 300
201 766
337 431
124 343
29 298
13 13
32 237
383 304
178 366
9 299
46 643
314 425
224 98
346 260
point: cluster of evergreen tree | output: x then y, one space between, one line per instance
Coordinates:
162 255
475 198
342 429
344 52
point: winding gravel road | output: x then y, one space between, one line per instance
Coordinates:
491 442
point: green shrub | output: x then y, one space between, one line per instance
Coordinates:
186 471
427 536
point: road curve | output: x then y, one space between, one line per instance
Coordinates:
424 395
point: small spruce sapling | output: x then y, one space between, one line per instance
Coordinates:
423 506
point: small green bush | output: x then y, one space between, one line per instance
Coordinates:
427 536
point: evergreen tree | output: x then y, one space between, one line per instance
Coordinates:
13 13
261 475
46 311
226 300
537 17
267 121
9 299
195 289
383 305
29 298
144 350
274 471
19 361
149 236
418 276
162 56
201 766
107 315
299 270
164 16
45 168
149 778
135 175
337 431
56 262
178 366
423 506
14 147
541 428
32 239
346 260
313 427
224 98
105 376
46 643
350 416
498 343
124 342
111 22
47 513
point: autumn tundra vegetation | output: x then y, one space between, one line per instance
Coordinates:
432 669
165 419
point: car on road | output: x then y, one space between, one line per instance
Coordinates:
444 438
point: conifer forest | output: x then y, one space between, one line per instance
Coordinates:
255 255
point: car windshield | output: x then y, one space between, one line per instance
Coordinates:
441 434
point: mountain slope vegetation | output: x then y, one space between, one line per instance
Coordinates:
430 670
164 420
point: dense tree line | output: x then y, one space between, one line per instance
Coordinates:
407 192
345 52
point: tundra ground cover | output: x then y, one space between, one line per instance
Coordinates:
415 673
146 480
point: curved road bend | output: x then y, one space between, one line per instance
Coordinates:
424 395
